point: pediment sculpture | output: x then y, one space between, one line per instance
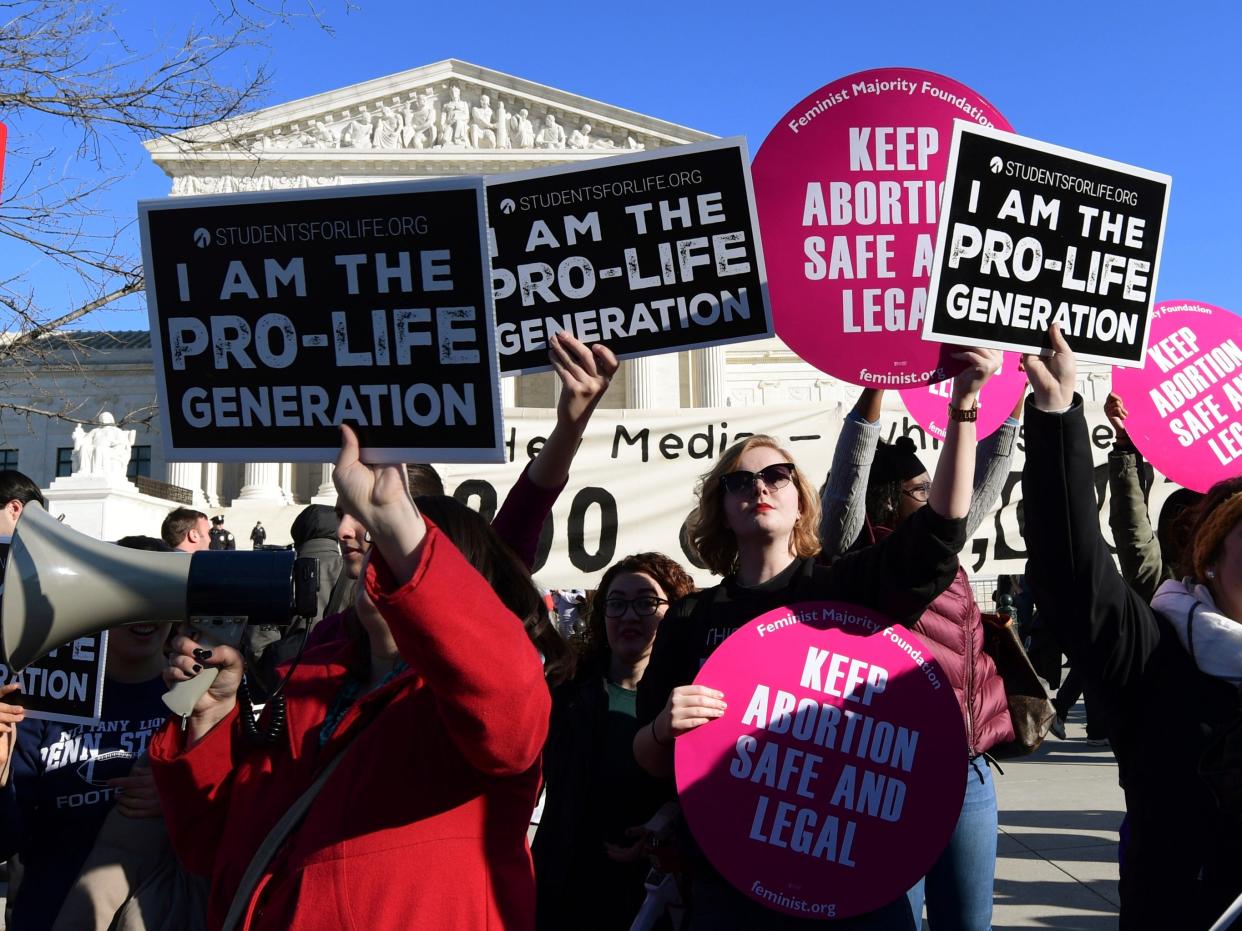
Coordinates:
448 118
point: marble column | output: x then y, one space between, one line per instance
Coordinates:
286 483
325 480
188 475
712 381
211 483
261 482
653 382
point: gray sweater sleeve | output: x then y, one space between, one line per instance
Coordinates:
844 499
993 461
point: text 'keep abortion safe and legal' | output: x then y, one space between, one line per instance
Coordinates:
279 319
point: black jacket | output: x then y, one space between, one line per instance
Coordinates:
577 885
1183 862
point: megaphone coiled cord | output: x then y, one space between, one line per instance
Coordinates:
277 715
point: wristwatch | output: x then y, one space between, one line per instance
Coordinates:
964 415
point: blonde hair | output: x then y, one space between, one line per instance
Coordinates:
710 534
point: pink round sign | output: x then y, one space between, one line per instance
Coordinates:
1184 404
836 776
848 187
929 404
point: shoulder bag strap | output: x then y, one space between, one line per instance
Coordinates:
276 838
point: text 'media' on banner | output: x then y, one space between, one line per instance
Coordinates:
848 187
833 781
648 253
278 316
1185 404
1033 234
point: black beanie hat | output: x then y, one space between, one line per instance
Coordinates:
895 462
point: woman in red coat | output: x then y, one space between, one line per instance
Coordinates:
439 708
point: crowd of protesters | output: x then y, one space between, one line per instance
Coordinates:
431 704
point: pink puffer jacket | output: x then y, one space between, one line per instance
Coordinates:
953 628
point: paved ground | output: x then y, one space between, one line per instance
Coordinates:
1060 809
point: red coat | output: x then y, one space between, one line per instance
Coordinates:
423 824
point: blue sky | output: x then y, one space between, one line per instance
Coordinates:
1154 84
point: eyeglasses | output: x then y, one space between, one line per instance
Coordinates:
774 477
919 492
643 605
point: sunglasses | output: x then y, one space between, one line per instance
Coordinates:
643 605
774 477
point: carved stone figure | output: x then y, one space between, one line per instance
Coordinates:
551 136
633 144
83 453
104 450
581 138
482 132
357 134
502 126
522 130
420 123
322 136
455 120
388 130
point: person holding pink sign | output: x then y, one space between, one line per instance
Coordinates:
1171 669
757 526
873 487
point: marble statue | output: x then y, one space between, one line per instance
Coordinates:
357 134
455 120
482 132
502 126
104 450
420 123
522 130
581 138
551 136
388 130
83 454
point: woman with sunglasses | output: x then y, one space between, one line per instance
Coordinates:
590 852
873 488
757 525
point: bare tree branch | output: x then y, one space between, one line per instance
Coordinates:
78 97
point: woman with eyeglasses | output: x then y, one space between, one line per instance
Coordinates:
872 489
757 525
590 851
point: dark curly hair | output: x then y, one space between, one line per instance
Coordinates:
591 642
893 464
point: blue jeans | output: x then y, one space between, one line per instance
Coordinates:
958 887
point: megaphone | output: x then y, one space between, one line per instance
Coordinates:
60 585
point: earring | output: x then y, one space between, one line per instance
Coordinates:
1211 575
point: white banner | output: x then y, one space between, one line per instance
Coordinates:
632 484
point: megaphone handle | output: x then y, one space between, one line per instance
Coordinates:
183 696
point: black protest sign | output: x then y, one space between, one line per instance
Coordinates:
1033 234
648 253
277 316
66 685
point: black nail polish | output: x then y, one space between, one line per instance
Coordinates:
202 655
197 668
